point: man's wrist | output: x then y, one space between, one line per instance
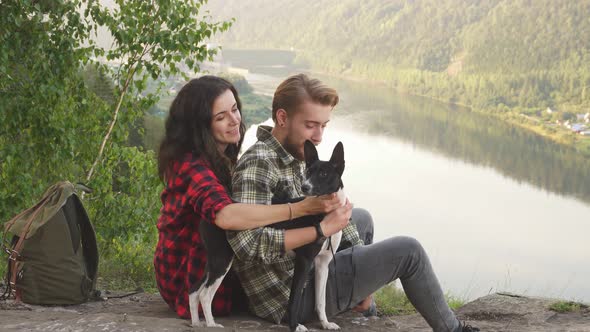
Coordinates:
320 235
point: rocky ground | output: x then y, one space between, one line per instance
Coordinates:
147 312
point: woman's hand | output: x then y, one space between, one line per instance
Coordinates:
336 220
316 205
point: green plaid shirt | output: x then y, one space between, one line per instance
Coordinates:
266 169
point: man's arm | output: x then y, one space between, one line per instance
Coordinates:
264 244
253 181
267 244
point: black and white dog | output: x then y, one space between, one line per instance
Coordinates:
321 178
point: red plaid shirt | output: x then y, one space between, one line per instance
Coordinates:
192 195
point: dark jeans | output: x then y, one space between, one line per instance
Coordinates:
357 272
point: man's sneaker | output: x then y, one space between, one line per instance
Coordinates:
468 328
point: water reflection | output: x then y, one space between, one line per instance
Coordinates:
491 203
484 232
471 137
449 130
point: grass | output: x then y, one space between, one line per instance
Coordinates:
392 301
454 302
113 276
127 265
567 306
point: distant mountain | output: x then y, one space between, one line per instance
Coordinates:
499 54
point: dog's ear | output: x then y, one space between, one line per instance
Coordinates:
311 154
337 158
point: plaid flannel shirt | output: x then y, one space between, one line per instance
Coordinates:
266 169
192 195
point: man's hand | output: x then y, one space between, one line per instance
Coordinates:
364 305
336 220
331 224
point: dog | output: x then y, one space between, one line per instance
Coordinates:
321 178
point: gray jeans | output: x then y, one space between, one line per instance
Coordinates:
357 272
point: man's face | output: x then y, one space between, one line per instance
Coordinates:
307 123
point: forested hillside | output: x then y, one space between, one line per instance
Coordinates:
495 55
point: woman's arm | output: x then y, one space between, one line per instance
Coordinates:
239 216
267 244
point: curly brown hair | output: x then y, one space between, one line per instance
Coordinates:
188 128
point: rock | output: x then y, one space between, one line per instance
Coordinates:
147 312
510 312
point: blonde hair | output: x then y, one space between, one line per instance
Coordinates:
299 88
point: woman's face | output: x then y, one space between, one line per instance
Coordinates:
225 123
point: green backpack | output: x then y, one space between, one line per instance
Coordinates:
53 257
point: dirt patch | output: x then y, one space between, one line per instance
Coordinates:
147 312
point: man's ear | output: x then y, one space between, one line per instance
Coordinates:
311 154
281 117
337 158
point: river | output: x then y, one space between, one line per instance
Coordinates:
496 207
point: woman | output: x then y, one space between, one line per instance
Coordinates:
204 134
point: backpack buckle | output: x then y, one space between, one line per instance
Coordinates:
13 255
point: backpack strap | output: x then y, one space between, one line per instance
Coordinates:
14 251
36 207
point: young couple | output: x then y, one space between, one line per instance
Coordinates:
198 161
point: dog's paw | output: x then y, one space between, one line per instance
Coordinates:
301 328
196 323
330 326
214 325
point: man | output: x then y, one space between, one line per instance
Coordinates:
273 166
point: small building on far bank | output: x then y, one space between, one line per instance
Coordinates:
583 117
578 127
